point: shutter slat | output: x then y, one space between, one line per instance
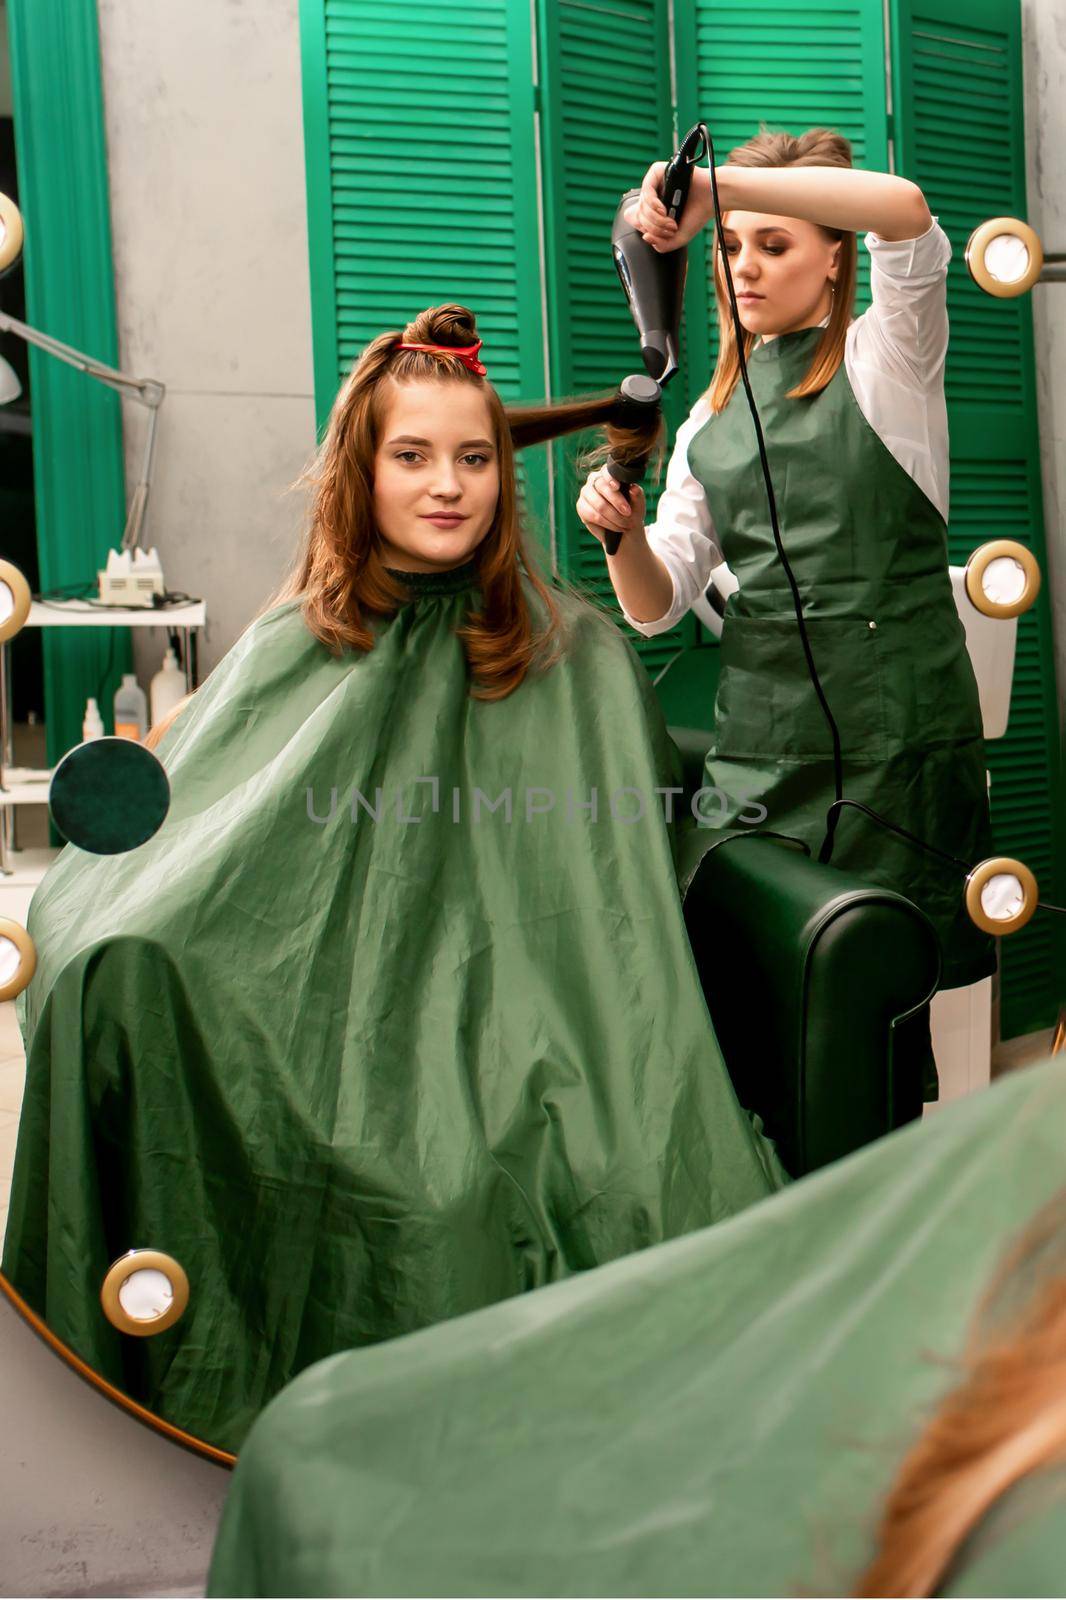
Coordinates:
419 127
592 154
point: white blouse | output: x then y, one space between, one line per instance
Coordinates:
894 357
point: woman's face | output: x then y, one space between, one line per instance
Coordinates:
782 270
436 475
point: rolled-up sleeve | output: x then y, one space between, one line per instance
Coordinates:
683 534
907 320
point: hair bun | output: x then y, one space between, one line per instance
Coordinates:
448 325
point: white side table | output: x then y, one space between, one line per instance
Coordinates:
29 785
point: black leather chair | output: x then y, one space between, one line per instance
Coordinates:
818 984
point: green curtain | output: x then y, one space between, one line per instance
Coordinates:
79 479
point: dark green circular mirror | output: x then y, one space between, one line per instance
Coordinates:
109 795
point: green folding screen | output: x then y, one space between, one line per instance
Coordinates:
421 181
477 151
959 133
792 65
606 104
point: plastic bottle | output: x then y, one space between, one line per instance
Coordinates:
131 709
92 724
166 688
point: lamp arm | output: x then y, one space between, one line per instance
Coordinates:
139 499
145 390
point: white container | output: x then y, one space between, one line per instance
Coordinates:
166 688
131 709
92 726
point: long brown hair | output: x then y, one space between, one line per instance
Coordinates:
818 147
338 573
1004 1420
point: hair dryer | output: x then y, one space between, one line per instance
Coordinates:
654 282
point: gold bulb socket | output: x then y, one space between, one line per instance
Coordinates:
977 248
981 560
11 233
981 875
27 958
123 1269
20 595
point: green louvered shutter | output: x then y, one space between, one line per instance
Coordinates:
791 65
421 181
958 70
606 115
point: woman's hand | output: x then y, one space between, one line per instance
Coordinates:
648 214
601 505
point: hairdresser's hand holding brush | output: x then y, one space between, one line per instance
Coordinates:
603 507
641 582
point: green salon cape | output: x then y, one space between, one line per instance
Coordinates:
722 1415
383 1025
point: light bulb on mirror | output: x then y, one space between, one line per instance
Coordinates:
1001 895
1004 257
18 958
11 234
144 1292
15 600
1002 578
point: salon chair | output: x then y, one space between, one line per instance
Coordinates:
818 984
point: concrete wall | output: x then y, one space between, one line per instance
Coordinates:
208 211
1044 43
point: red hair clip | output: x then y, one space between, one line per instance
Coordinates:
467 354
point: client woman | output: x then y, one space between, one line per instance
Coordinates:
395 1016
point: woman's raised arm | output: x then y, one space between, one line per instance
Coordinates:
836 197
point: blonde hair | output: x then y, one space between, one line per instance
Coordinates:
158 729
818 147
1005 1420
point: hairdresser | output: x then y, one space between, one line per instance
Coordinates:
855 424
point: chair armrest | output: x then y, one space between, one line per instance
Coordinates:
817 983
692 744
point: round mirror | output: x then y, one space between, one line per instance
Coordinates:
1005 257
15 601
1002 578
18 958
1001 895
10 232
109 795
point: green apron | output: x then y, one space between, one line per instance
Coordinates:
869 554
